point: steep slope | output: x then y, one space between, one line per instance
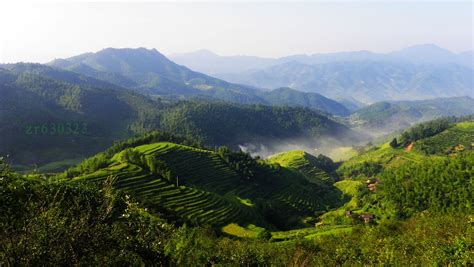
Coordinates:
216 188
391 116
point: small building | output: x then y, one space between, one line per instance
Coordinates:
372 184
349 213
368 218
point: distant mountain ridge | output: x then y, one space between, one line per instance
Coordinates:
210 63
366 81
414 73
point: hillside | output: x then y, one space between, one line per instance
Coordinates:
427 169
212 187
433 139
49 119
395 115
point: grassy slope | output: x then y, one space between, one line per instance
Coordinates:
303 162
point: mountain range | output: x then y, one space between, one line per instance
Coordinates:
418 72
118 93
206 61
51 114
150 72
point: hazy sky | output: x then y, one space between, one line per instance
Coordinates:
40 32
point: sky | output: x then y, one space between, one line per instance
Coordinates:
42 31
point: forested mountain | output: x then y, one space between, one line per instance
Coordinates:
291 97
49 119
53 114
149 72
365 81
394 115
232 124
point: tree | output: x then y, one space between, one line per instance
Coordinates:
264 235
394 143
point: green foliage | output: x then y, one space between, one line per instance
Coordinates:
366 169
61 224
88 165
264 235
240 161
58 223
238 124
453 140
424 130
439 185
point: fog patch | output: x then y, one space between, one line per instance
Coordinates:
314 146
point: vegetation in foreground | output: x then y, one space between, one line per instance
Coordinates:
60 223
420 200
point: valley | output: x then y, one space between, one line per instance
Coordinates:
123 157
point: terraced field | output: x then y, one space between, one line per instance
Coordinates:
302 162
207 190
191 203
